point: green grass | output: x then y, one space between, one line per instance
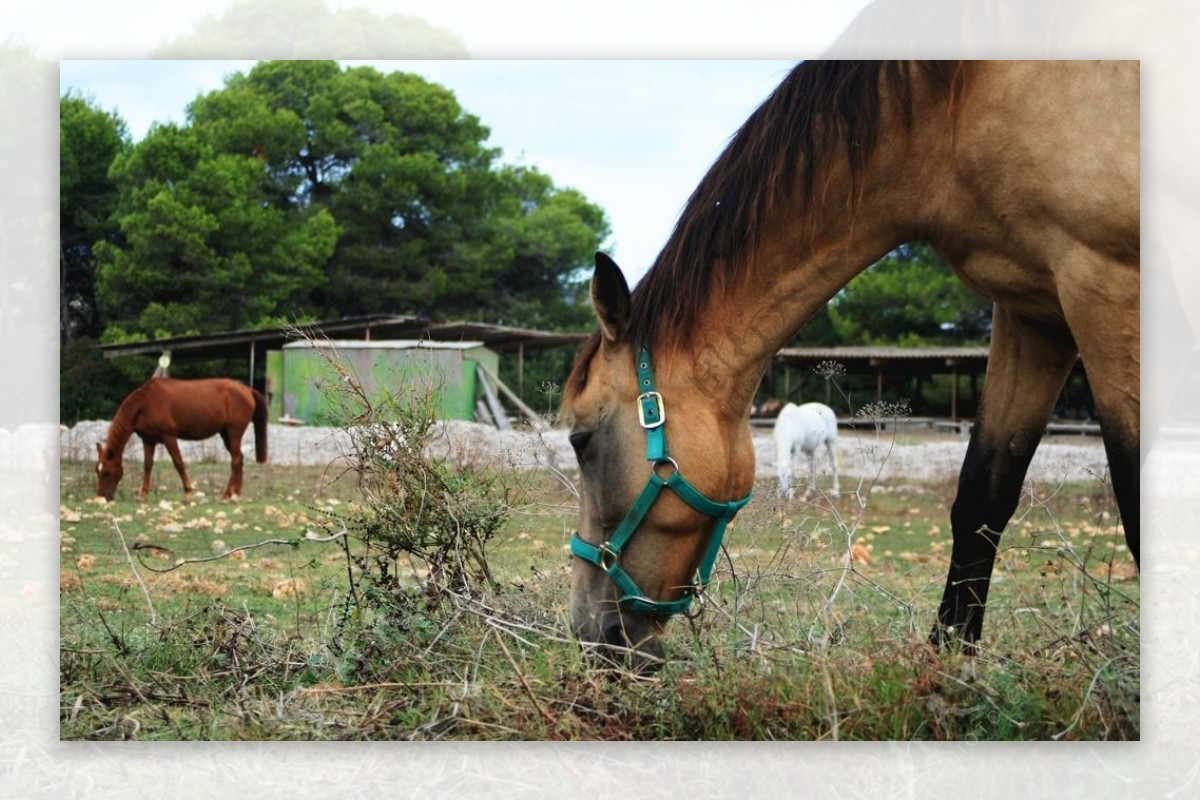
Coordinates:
798 641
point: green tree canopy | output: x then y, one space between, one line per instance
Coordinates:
89 140
205 248
909 298
302 188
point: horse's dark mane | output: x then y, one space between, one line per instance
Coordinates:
121 428
821 110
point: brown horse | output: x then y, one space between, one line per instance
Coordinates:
1023 175
167 410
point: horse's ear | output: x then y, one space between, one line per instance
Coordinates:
610 298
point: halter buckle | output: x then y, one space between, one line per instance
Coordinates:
651 412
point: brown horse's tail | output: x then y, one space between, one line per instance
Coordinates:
260 426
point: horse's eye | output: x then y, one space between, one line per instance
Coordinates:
579 441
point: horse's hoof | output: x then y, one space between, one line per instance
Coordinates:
944 638
942 635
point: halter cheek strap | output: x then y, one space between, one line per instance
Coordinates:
607 556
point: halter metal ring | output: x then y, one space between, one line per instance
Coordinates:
608 557
666 460
695 607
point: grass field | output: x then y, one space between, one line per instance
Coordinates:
185 621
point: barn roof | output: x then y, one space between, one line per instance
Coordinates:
381 344
857 358
504 339
236 344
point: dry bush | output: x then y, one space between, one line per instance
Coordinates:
423 520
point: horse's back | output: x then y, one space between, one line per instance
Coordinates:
806 426
1056 134
823 413
194 409
1045 178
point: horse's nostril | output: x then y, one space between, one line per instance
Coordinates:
612 632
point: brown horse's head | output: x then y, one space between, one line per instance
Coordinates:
711 463
108 471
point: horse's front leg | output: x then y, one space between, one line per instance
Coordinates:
783 470
177 459
831 446
148 446
1028 364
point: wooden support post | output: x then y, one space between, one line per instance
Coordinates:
493 402
481 411
514 398
521 367
954 394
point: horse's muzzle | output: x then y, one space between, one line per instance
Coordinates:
630 642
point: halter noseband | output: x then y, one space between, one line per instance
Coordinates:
607 556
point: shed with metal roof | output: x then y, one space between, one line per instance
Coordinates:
306 380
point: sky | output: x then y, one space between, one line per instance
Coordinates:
633 136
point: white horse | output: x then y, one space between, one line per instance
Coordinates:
804 428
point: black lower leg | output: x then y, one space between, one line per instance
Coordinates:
988 491
1124 465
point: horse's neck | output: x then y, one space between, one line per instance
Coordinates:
812 248
779 296
118 436
122 427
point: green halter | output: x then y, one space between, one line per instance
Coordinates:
607 556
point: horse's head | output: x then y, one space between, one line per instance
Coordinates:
663 469
108 471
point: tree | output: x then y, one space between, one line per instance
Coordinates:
910 298
206 245
305 189
90 139
547 237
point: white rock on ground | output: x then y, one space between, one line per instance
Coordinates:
861 455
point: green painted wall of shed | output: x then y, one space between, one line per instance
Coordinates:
301 381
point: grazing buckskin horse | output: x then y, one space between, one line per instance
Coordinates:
167 410
803 429
1022 175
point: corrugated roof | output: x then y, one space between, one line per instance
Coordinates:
382 344
881 354
236 344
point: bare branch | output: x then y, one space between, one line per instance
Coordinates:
293 542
